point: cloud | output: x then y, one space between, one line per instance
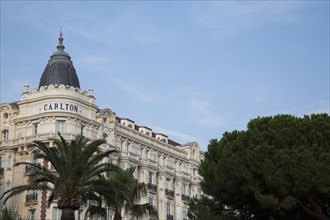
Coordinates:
11 91
176 134
118 25
125 26
137 92
228 18
202 114
93 60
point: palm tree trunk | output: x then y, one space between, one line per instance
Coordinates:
117 214
67 214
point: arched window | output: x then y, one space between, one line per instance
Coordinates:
5 135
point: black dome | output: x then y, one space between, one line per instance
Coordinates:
60 69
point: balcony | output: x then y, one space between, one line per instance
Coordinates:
185 198
169 217
169 192
31 198
152 187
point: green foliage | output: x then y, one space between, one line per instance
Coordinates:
75 177
277 169
205 208
11 213
128 200
128 192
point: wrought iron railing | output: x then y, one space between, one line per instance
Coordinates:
152 187
169 192
185 198
169 217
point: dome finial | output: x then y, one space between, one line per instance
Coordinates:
60 46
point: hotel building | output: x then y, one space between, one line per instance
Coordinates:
169 169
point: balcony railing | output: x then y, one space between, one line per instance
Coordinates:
1 171
152 187
185 198
31 198
169 192
169 217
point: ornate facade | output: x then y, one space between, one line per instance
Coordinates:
169 169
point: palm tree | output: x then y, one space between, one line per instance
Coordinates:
75 176
11 213
125 199
135 191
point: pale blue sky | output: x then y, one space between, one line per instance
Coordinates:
191 70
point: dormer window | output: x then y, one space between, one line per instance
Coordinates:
127 122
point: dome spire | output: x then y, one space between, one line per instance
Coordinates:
60 46
60 69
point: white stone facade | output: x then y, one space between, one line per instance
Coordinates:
170 170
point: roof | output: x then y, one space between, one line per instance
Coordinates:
60 69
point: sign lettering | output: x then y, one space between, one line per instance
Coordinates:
61 107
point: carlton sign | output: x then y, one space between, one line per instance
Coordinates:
60 107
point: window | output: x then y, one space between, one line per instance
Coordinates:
77 214
35 128
110 215
151 201
183 189
1 169
5 135
167 183
168 208
184 214
150 178
31 214
60 126
9 162
161 206
33 158
82 129
56 215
